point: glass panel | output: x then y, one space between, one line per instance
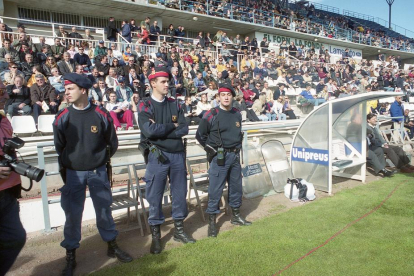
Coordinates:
313 137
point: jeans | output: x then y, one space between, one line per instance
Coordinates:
316 102
37 110
271 116
12 109
263 118
281 116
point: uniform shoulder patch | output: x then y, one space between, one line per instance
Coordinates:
102 111
60 115
144 105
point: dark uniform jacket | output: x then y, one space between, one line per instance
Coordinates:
228 123
81 137
163 132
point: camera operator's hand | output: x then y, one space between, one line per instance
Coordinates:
5 172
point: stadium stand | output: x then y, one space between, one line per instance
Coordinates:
284 79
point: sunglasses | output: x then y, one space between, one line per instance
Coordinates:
14 67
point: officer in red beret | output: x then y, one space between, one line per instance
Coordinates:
220 134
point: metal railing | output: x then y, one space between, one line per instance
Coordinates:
358 15
54 27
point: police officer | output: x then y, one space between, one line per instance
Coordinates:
220 134
163 125
12 233
85 139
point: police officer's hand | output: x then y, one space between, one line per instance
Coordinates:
5 172
176 125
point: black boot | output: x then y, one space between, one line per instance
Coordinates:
237 219
70 263
115 251
156 239
386 173
179 234
212 231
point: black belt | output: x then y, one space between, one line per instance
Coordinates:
235 150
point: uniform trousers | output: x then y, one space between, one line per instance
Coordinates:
12 233
397 156
73 201
218 176
156 179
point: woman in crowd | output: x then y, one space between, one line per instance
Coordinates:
134 105
56 81
277 109
12 73
118 68
49 65
203 105
211 90
170 34
143 37
287 109
72 51
144 76
36 71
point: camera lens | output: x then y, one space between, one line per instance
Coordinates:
24 169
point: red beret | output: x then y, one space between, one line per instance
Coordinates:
158 74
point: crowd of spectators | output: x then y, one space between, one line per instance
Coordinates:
264 79
298 17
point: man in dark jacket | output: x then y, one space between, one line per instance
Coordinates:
85 139
155 31
75 34
82 59
67 65
27 67
111 30
189 112
131 64
42 94
176 83
19 98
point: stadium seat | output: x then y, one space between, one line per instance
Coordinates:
23 125
45 123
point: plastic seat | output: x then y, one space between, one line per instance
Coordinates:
23 125
45 124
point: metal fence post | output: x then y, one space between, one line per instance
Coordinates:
43 189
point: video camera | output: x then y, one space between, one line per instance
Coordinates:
10 160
